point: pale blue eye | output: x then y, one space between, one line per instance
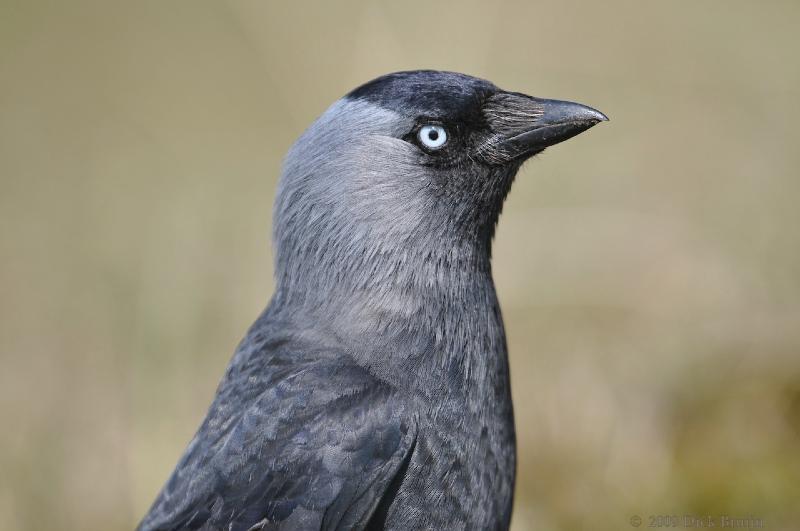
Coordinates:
432 136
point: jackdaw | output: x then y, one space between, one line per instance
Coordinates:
373 392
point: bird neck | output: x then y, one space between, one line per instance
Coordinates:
406 287
424 316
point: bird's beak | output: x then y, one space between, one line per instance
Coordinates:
525 125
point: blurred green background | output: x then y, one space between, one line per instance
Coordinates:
649 270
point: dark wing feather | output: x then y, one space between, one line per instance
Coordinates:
298 437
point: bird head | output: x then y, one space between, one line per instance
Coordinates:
406 175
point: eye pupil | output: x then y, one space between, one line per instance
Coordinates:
433 134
